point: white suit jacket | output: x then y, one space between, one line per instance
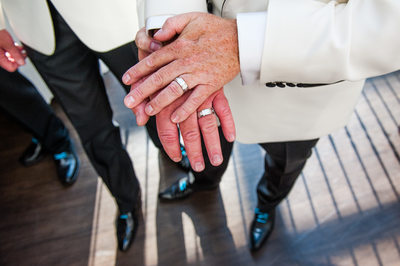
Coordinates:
100 24
299 41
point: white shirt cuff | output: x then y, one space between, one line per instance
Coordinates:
251 30
156 22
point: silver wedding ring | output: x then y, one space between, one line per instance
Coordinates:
205 112
182 83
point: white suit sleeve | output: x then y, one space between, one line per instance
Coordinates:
322 42
251 27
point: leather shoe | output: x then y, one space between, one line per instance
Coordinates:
182 188
67 164
33 154
261 228
127 224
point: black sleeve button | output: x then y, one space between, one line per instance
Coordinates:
270 84
280 85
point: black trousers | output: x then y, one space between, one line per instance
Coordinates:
20 99
284 162
72 74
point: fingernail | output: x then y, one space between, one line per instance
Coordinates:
23 51
217 159
177 159
198 167
175 118
154 46
129 101
126 78
149 109
158 33
231 137
20 62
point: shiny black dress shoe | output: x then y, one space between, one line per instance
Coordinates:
67 164
127 224
261 228
33 154
182 188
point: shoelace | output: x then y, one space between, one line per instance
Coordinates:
59 156
261 217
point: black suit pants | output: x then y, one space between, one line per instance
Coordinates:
20 99
284 162
72 74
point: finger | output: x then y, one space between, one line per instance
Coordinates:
192 139
146 43
6 63
16 54
197 97
154 82
169 94
141 116
209 130
223 111
21 49
142 54
148 65
173 26
169 135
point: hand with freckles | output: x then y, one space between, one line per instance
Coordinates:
204 54
193 127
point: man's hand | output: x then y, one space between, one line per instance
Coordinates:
12 56
191 128
205 55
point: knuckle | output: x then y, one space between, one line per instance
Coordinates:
175 89
141 42
168 23
196 101
138 93
191 135
133 72
186 110
157 79
168 136
180 44
224 112
150 62
208 125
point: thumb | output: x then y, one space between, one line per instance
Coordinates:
173 26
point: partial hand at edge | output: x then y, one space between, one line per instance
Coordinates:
12 55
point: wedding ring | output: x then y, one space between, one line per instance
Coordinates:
182 83
205 112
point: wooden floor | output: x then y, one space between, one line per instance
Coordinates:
343 210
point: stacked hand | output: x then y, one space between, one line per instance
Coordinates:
205 55
12 55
